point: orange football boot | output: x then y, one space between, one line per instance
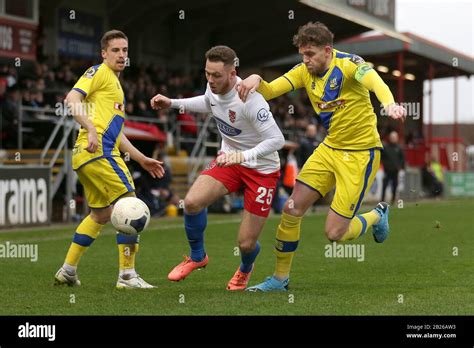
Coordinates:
239 281
182 270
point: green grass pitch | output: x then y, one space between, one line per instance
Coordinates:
425 267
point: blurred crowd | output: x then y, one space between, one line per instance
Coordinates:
44 86
41 85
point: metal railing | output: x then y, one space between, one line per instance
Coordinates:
200 148
37 115
65 169
173 129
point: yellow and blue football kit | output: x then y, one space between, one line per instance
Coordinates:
103 174
349 156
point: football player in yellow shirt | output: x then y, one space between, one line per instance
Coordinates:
97 103
338 86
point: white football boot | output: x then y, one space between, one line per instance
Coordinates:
128 281
62 277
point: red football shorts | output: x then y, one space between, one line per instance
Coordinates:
259 189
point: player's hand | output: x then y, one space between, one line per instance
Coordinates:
397 112
153 167
249 85
92 140
229 159
160 102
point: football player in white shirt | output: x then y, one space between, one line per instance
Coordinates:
248 160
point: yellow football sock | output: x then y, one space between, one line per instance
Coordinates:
128 248
359 225
74 254
86 233
127 254
287 238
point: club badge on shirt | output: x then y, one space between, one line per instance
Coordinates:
232 116
263 115
90 72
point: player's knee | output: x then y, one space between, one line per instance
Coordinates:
192 206
292 209
246 246
335 233
101 218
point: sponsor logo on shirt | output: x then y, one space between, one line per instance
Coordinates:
227 129
330 105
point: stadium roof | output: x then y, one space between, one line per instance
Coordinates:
378 16
257 30
178 32
418 54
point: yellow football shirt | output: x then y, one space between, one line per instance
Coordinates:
338 97
104 101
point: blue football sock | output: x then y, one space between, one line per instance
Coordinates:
124 239
249 258
195 226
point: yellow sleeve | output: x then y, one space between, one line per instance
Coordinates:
91 81
358 69
373 82
291 81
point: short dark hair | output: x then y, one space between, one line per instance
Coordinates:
316 34
222 54
110 35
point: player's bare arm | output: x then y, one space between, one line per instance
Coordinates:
74 102
152 166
